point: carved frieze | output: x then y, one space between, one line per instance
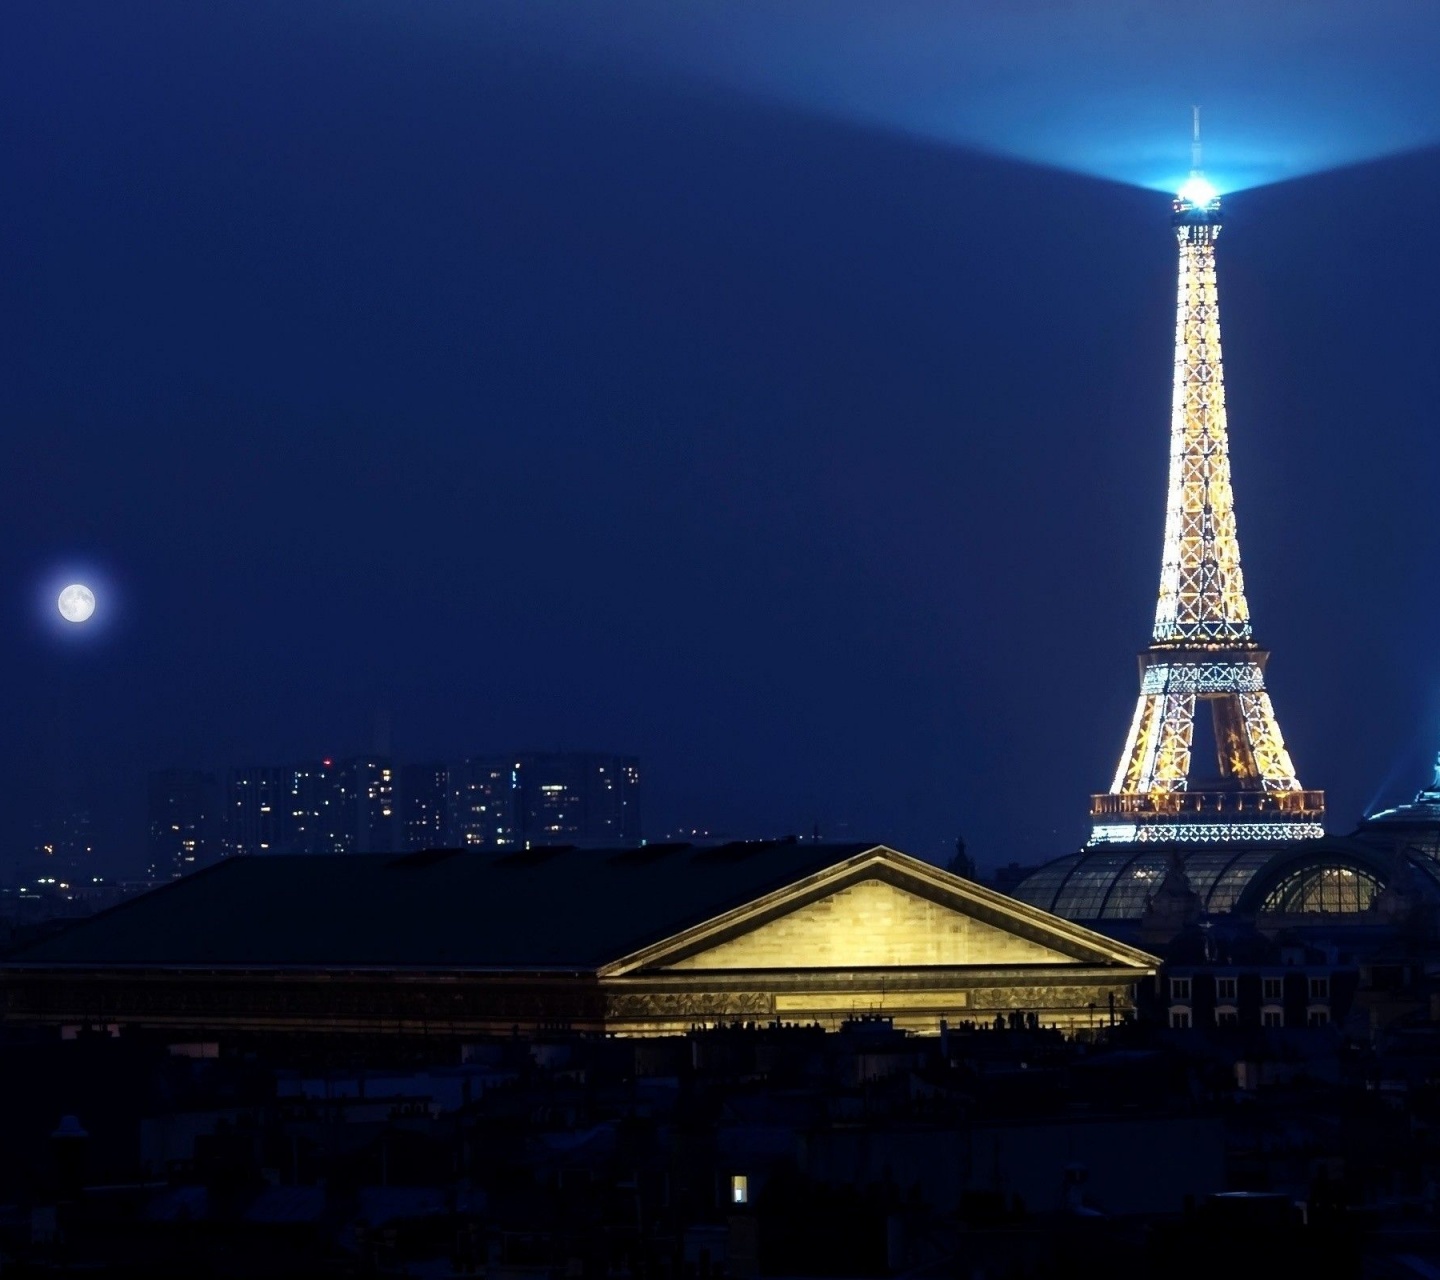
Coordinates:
700 1005
1039 997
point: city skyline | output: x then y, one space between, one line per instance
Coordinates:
367 803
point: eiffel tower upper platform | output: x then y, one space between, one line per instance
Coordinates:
1202 650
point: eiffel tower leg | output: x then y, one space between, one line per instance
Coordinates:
1172 752
1157 751
1232 740
1272 760
1137 758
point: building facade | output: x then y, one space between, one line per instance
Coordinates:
277 809
425 806
323 806
365 805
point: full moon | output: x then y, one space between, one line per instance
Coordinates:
77 602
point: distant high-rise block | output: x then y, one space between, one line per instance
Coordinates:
349 806
282 809
311 821
484 803
580 798
184 821
256 811
368 804
425 806
367 809
568 797
64 844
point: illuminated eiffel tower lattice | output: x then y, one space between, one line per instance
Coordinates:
1202 651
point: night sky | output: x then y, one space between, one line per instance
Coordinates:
378 361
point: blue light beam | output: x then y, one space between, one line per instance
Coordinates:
1103 89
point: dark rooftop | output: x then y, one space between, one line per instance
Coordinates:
561 908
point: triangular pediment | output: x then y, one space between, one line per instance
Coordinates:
881 909
870 924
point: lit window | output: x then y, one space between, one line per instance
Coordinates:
1179 988
1274 988
1319 988
1224 988
1272 1018
739 1189
1180 1019
1329 887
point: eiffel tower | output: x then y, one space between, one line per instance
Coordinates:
1202 650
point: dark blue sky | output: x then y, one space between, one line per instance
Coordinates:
536 401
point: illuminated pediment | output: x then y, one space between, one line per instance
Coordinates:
869 924
880 909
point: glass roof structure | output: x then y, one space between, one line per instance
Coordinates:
1115 883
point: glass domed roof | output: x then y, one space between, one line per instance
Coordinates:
1111 883
1116 884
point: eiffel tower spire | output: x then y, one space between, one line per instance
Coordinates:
1202 650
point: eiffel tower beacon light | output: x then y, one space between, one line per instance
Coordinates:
1202 651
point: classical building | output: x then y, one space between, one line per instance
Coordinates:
642 941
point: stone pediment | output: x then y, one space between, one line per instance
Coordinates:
872 923
881 909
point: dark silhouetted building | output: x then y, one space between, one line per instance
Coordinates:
256 810
484 808
282 809
364 807
184 821
349 806
425 806
562 797
64 846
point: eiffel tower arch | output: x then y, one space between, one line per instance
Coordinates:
1203 669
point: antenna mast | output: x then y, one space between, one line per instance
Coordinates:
1195 142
